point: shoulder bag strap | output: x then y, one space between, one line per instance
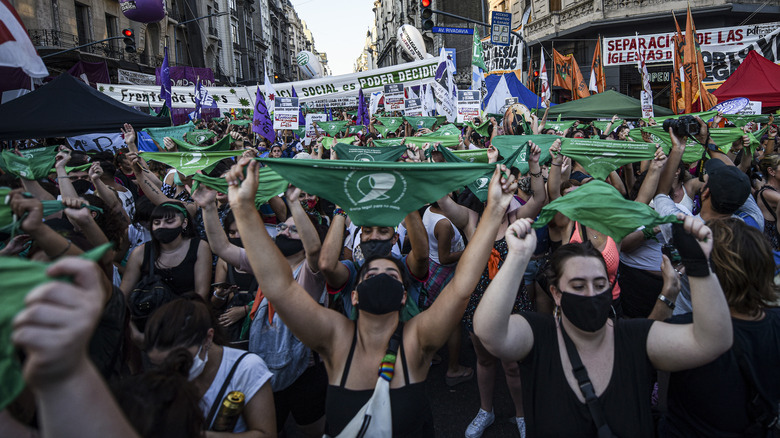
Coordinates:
151 258
231 277
586 387
221 394
766 204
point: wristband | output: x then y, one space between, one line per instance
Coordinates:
669 303
535 175
218 297
692 257
340 212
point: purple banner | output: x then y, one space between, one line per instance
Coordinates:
188 77
94 71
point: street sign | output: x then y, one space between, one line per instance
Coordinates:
500 26
453 30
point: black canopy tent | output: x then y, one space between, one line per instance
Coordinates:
66 107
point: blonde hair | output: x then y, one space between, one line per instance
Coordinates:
769 161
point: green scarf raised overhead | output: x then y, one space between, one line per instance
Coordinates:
328 142
386 142
600 206
271 184
693 150
240 122
482 129
199 136
332 127
705 115
362 153
722 137
601 157
421 122
384 130
559 126
740 120
378 193
480 185
19 277
189 163
508 144
34 164
176 132
470 155
391 122
602 125
222 145
10 224
355 129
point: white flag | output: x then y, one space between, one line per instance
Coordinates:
498 98
270 93
647 92
443 88
16 49
545 84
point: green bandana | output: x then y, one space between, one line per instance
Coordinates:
240 122
740 120
175 132
34 164
189 163
480 185
362 153
222 145
333 127
378 193
390 142
507 144
391 122
421 122
559 126
601 125
440 120
600 206
448 129
355 129
271 184
384 130
705 115
199 136
471 155
10 225
693 150
481 129
20 276
600 157
723 138
328 142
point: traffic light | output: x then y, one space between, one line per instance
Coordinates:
536 73
129 39
426 14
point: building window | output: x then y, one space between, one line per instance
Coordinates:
234 32
555 5
237 65
82 23
112 24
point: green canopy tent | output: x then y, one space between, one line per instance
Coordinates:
604 105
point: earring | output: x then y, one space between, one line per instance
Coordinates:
557 314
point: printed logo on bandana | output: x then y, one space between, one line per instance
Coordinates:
201 138
482 182
420 124
192 158
364 157
373 188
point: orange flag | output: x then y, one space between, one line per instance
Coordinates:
689 63
568 75
598 82
676 85
705 99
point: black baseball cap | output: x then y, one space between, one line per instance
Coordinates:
729 186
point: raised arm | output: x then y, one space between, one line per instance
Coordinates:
673 347
50 241
418 238
66 185
206 199
459 215
650 184
534 205
507 336
336 274
308 234
554 178
313 324
108 195
434 326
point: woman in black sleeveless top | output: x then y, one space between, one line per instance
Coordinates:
353 350
619 356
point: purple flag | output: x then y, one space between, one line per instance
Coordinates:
301 118
362 113
262 123
165 81
330 113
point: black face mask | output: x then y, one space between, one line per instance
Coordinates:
236 241
81 186
380 294
288 246
587 313
167 235
373 248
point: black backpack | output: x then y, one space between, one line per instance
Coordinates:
149 294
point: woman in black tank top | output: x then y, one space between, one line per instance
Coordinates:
618 356
353 350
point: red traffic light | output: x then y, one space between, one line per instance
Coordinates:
127 33
536 73
425 3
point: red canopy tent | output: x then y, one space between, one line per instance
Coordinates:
757 78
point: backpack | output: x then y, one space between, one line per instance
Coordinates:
284 354
149 294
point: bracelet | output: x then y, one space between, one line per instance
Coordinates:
340 212
556 164
669 303
535 175
218 297
63 251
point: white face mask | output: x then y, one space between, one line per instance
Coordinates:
198 364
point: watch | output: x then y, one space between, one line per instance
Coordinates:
666 301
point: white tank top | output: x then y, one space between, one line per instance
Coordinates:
430 219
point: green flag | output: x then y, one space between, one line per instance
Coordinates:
189 163
199 136
508 144
600 157
328 142
222 145
377 193
362 153
600 206
177 132
332 127
271 184
32 165
421 122
476 52
19 277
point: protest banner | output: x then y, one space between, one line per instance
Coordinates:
97 142
394 97
503 59
134 77
468 105
311 118
413 107
286 113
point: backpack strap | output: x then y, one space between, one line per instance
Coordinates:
586 387
221 394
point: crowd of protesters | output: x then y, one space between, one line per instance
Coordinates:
671 331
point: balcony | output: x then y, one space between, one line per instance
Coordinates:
233 12
54 40
213 31
236 46
174 14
